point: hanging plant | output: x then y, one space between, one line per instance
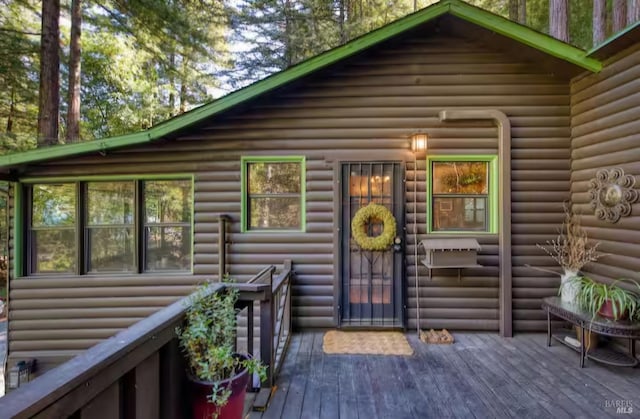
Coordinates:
366 215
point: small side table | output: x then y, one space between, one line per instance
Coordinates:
554 306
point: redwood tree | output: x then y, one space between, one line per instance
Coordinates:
75 48
633 11
49 98
619 21
599 21
559 19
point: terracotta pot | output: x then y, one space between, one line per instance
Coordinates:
200 391
606 310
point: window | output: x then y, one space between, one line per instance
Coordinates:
462 194
110 228
273 193
123 226
52 226
167 225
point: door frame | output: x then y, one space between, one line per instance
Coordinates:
337 234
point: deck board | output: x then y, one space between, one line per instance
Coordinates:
481 376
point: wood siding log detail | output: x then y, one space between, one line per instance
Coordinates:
365 109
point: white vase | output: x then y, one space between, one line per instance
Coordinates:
569 289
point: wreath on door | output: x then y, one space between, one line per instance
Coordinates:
359 227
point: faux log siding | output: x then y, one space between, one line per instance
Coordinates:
606 134
363 110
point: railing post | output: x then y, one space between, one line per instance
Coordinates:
222 245
266 332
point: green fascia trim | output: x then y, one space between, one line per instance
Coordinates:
244 160
493 191
457 8
18 231
19 202
524 35
613 38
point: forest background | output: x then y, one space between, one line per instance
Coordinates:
77 70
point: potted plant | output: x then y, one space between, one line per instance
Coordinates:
608 300
572 250
219 376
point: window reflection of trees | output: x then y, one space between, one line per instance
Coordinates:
53 228
459 196
274 195
168 224
110 226
110 216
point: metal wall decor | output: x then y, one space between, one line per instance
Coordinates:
612 193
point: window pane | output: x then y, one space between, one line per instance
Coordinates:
167 201
459 214
274 178
111 250
460 178
54 205
54 250
168 249
110 203
274 212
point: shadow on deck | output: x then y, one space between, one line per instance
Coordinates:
481 375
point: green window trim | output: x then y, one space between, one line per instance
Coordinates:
20 219
244 162
492 196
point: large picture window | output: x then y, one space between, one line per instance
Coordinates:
462 194
273 193
103 226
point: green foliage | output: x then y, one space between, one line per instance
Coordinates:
593 295
207 339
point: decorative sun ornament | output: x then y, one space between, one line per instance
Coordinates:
612 193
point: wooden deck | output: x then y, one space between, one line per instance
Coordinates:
481 375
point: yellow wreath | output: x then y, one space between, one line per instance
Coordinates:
359 230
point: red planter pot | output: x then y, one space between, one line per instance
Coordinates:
606 310
201 390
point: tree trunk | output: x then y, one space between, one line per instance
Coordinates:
558 19
183 86
599 21
522 15
633 11
12 109
49 97
75 49
513 10
341 21
619 15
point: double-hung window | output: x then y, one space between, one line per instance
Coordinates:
273 191
53 228
110 226
462 194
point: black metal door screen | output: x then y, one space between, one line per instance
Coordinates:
372 283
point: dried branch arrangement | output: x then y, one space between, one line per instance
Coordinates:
571 249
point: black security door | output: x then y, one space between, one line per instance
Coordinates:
371 293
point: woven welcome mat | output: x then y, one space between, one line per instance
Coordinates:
365 343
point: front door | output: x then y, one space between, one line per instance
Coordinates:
371 281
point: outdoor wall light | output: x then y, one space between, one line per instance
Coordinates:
419 142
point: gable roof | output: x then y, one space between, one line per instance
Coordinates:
457 8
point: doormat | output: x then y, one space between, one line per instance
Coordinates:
366 343
436 336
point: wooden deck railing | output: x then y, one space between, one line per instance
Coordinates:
140 372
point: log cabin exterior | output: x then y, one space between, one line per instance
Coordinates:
538 117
